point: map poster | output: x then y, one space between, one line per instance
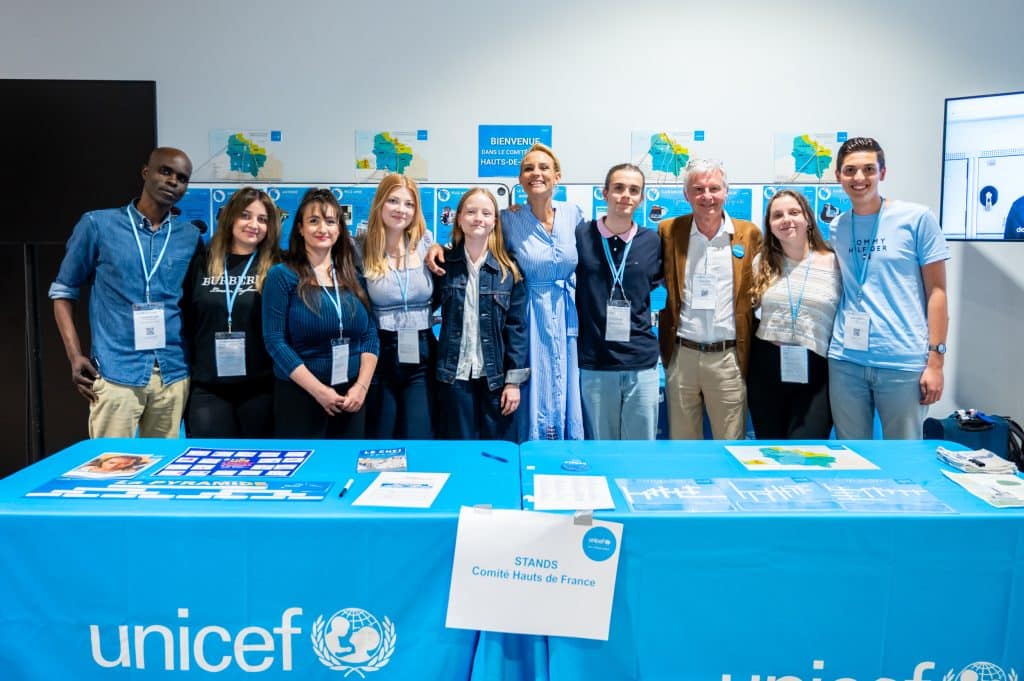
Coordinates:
663 155
806 156
382 152
244 155
794 457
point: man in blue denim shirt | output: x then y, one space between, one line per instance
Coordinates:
135 258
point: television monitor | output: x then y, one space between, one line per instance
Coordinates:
983 168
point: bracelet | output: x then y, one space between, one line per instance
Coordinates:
366 389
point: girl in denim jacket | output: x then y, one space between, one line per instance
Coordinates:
483 348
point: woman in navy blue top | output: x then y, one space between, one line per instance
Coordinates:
318 328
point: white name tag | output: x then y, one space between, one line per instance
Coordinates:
229 351
793 359
339 361
617 321
858 325
408 346
702 297
150 331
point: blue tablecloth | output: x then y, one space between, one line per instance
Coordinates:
225 585
795 596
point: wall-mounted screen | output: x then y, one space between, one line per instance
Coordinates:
983 168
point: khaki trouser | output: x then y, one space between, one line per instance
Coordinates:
695 379
155 409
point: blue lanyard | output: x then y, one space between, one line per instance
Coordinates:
230 297
142 256
862 273
336 301
794 310
404 290
617 272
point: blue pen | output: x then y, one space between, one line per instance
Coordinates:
494 456
346 487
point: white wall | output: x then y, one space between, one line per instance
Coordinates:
593 70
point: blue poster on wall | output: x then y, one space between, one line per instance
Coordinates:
502 146
663 201
519 195
287 200
355 205
447 202
832 201
739 204
195 206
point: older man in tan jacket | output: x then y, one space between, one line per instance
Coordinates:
705 327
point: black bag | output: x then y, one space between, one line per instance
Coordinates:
977 430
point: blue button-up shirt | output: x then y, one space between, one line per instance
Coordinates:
103 252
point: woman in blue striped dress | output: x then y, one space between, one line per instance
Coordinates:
542 237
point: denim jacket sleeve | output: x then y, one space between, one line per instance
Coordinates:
517 336
79 264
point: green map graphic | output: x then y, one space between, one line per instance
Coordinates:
245 155
667 155
810 157
391 154
788 456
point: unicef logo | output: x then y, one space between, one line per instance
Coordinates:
599 544
219 196
769 192
824 193
652 194
353 641
339 193
443 195
980 671
274 193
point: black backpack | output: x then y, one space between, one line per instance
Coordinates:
977 430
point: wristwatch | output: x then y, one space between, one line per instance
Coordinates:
940 348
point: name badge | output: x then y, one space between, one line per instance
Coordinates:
858 325
339 361
150 330
408 346
229 351
793 359
617 321
702 297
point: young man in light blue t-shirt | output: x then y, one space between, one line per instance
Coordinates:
889 339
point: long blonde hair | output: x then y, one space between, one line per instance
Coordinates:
220 242
496 240
375 261
772 256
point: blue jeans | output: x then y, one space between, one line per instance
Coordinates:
471 411
398 404
855 392
620 405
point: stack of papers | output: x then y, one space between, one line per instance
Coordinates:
1001 491
976 461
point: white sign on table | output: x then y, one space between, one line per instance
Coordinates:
523 572
403 490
